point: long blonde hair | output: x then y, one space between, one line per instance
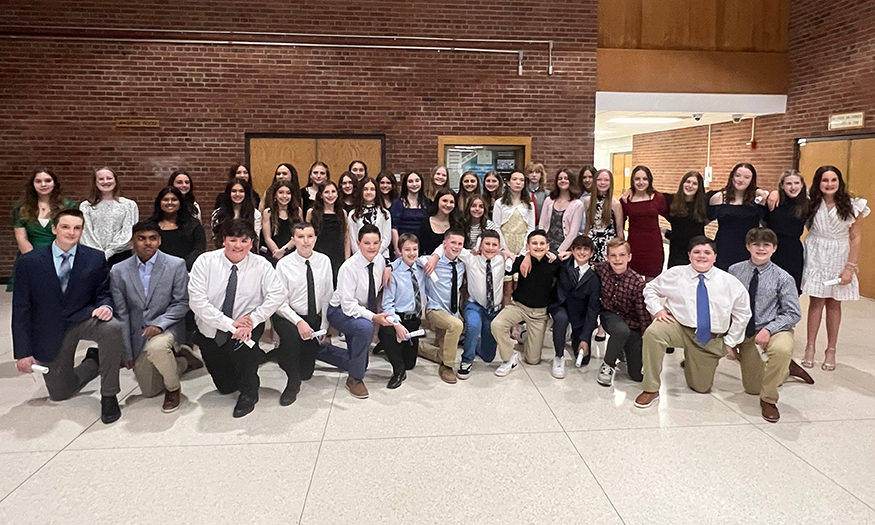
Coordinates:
607 210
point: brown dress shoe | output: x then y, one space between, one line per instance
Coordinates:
447 374
357 388
798 371
193 362
646 399
770 412
171 400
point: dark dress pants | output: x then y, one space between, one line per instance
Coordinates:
402 355
622 339
300 354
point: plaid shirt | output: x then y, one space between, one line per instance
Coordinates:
623 294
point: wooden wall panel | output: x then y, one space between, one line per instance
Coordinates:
339 153
816 154
265 154
861 182
705 25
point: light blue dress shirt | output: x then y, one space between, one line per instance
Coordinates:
438 284
56 257
398 296
145 269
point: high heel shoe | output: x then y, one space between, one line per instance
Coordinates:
808 358
829 360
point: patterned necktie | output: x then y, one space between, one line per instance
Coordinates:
417 298
454 289
372 289
703 313
64 271
576 273
222 336
311 292
754 284
490 292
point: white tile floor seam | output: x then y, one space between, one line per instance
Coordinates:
318 451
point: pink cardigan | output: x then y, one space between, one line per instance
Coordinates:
570 220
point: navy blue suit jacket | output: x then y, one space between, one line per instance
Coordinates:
41 313
580 297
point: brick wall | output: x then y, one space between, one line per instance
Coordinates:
61 98
832 70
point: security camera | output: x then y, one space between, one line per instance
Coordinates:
737 117
697 117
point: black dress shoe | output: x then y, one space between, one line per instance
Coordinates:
245 404
396 380
289 396
92 353
669 350
109 410
377 348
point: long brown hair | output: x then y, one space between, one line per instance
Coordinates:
607 210
468 219
464 196
492 197
430 187
393 193
318 216
30 203
842 199
800 202
95 195
525 198
574 190
360 199
750 192
291 208
698 210
421 199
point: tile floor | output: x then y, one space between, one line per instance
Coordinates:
522 449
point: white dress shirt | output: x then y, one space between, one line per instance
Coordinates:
475 265
352 285
292 271
675 291
259 290
581 269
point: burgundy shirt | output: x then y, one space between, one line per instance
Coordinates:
623 294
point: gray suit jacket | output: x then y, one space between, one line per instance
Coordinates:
165 306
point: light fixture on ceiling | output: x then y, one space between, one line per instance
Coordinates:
645 120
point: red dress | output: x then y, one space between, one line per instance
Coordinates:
645 238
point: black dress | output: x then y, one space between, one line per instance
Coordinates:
789 255
682 230
329 240
428 239
186 243
306 202
734 221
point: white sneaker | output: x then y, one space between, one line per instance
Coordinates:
606 375
559 367
507 366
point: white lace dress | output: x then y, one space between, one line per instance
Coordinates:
826 253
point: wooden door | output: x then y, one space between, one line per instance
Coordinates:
621 166
861 183
265 154
339 153
816 154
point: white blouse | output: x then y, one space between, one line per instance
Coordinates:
108 225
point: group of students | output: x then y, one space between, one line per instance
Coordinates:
335 251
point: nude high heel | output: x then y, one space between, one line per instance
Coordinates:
829 360
808 358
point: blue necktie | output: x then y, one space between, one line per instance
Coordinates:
64 271
703 313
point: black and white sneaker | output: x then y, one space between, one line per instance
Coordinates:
606 375
464 370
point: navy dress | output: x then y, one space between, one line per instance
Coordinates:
734 221
788 227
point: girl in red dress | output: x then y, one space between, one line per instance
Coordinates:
643 208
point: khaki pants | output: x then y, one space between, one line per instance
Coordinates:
764 378
157 369
452 327
536 325
701 361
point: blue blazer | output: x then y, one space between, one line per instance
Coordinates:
579 297
41 313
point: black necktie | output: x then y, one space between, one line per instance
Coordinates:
228 305
311 292
372 289
417 299
576 273
454 298
752 288
490 292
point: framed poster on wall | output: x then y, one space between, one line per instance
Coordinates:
481 154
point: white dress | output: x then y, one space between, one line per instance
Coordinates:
826 253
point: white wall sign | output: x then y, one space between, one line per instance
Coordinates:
846 121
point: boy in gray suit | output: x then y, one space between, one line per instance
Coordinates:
150 291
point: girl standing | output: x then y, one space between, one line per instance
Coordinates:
469 185
561 213
787 220
586 178
181 180
370 210
330 222
438 180
280 214
347 191
387 187
441 217
182 235
832 248
687 213
536 180
109 217
235 203
514 213
319 175
476 221
493 189
643 208
737 211
603 214
359 170
410 209
239 171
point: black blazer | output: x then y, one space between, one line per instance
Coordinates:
41 313
580 297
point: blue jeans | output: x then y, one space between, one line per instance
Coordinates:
478 335
359 332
